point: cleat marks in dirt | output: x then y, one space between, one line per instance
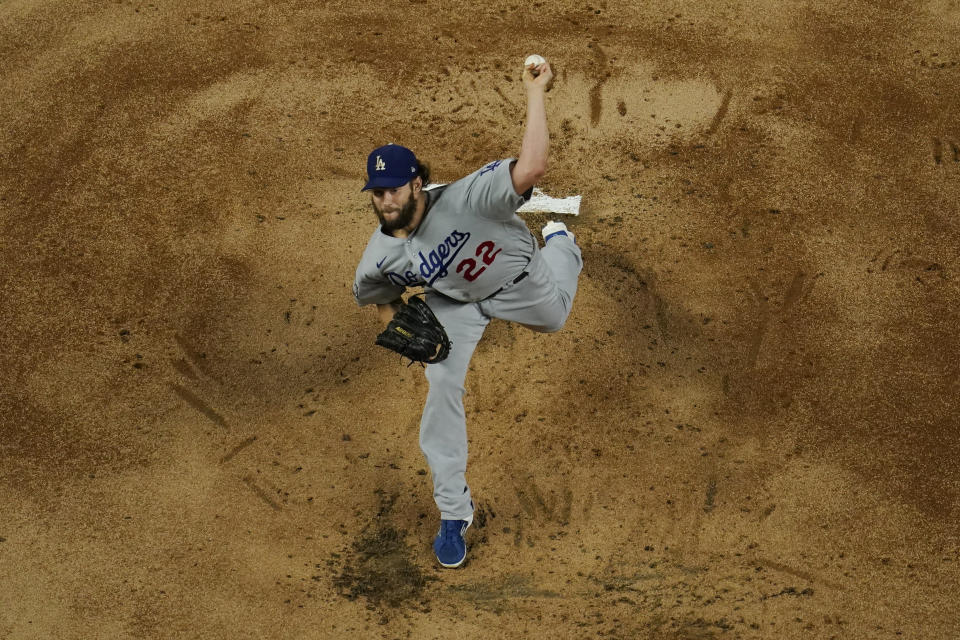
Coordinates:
711 497
497 595
799 289
193 367
945 152
920 269
856 127
721 114
596 92
197 403
798 573
237 449
197 359
261 493
541 511
183 368
555 507
299 313
483 515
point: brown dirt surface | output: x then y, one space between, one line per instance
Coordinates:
747 429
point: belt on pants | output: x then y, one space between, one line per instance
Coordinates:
515 281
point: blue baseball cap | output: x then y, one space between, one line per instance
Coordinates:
390 166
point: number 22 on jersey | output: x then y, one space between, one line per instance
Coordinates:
485 251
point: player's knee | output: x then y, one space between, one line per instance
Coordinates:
557 322
551 325
555 327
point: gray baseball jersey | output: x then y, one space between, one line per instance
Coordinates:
468 245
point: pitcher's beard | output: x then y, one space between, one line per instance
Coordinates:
402 220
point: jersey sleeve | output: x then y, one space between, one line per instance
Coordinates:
491 193
371 290
370 286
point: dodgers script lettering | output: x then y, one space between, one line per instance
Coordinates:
434 264
408 279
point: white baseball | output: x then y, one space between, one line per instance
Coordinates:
533 60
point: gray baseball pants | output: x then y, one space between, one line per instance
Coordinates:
541 302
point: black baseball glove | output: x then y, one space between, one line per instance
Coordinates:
415 333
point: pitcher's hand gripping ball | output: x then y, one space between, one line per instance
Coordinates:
535 65
415 333
533 60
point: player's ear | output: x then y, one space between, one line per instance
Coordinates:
417 184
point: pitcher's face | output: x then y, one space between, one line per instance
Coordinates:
394 207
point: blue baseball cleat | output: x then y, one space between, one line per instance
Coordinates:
449 546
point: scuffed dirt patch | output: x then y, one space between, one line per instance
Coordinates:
380 566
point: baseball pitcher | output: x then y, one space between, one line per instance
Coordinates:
476 260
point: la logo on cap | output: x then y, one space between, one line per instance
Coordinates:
388 167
